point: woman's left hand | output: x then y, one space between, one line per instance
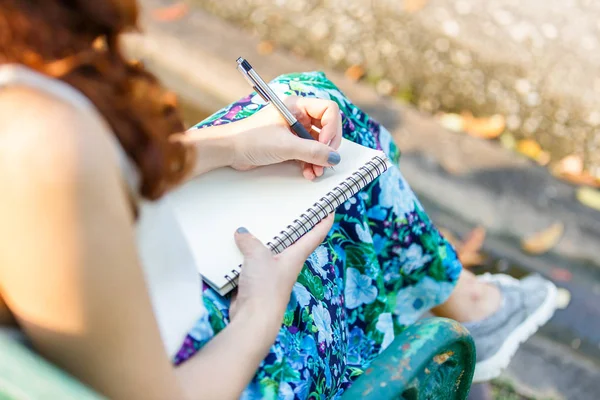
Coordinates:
265 138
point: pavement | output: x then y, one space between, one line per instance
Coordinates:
479 182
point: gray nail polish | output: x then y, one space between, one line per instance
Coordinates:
334 158
242 230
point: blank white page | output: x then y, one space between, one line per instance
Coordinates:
264 200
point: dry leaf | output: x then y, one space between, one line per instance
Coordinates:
355 72
571 170
265 47
543 241
453 122
485 128
563 298
474 240
171 13
468 252
529 148
589 197
469 260
584 178
532 149
412 6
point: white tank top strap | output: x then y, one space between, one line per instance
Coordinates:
14 74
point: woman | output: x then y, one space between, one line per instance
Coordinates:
85 137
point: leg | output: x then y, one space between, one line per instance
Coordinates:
471 300
415 266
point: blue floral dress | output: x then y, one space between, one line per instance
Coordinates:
381 267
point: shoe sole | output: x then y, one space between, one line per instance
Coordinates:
492 367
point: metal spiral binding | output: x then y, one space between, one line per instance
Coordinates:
321 209
232 280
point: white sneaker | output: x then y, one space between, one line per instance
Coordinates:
527 304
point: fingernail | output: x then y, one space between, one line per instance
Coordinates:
242 230
334 158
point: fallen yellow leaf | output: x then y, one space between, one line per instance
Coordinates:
355 72
589 197
543 241
265 47
467 250
469 260
486 127
474 241
571 169
584 178
529 148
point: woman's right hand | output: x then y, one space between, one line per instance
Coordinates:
266 280
265 138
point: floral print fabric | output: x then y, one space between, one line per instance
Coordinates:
381 267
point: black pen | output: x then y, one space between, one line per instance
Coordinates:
259 85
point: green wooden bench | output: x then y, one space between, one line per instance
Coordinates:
432 359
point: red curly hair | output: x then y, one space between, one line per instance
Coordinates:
77 41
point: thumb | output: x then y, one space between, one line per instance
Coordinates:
314 152
298 252
248 244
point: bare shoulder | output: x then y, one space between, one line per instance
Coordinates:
41 133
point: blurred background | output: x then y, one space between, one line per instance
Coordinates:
495 105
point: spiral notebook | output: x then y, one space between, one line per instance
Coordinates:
275 203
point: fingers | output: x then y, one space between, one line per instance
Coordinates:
249 245
337 140
310 151
311 171
318 170
299 251
328 114
308 172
